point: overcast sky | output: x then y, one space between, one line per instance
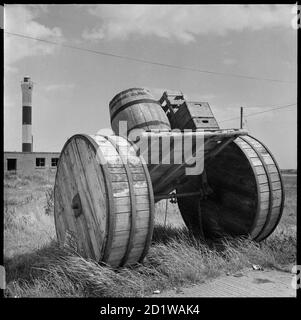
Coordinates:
72 88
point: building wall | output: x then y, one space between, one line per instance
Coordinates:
26 161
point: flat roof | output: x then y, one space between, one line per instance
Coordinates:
32 152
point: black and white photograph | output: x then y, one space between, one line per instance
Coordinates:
150 151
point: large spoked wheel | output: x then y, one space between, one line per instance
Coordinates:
103 200
248 193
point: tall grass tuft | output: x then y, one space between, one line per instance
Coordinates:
175 259
49 206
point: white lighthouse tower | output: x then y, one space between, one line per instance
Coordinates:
27 139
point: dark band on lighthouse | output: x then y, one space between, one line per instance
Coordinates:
26 147
26 115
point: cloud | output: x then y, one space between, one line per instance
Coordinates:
8 68
229 61
183 23
21 19
59 87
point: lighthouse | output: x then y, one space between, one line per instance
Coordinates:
27 139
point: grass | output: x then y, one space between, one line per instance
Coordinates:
37 267
26 226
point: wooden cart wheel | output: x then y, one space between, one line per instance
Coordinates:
103 200
248 193
190 207
191 211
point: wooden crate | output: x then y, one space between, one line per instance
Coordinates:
195 115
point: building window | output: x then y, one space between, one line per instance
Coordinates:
54 162
11 164
40 162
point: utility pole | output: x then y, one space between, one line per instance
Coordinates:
241 117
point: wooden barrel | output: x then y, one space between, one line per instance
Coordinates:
140 109
247 193
103 200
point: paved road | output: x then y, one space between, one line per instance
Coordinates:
247 283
